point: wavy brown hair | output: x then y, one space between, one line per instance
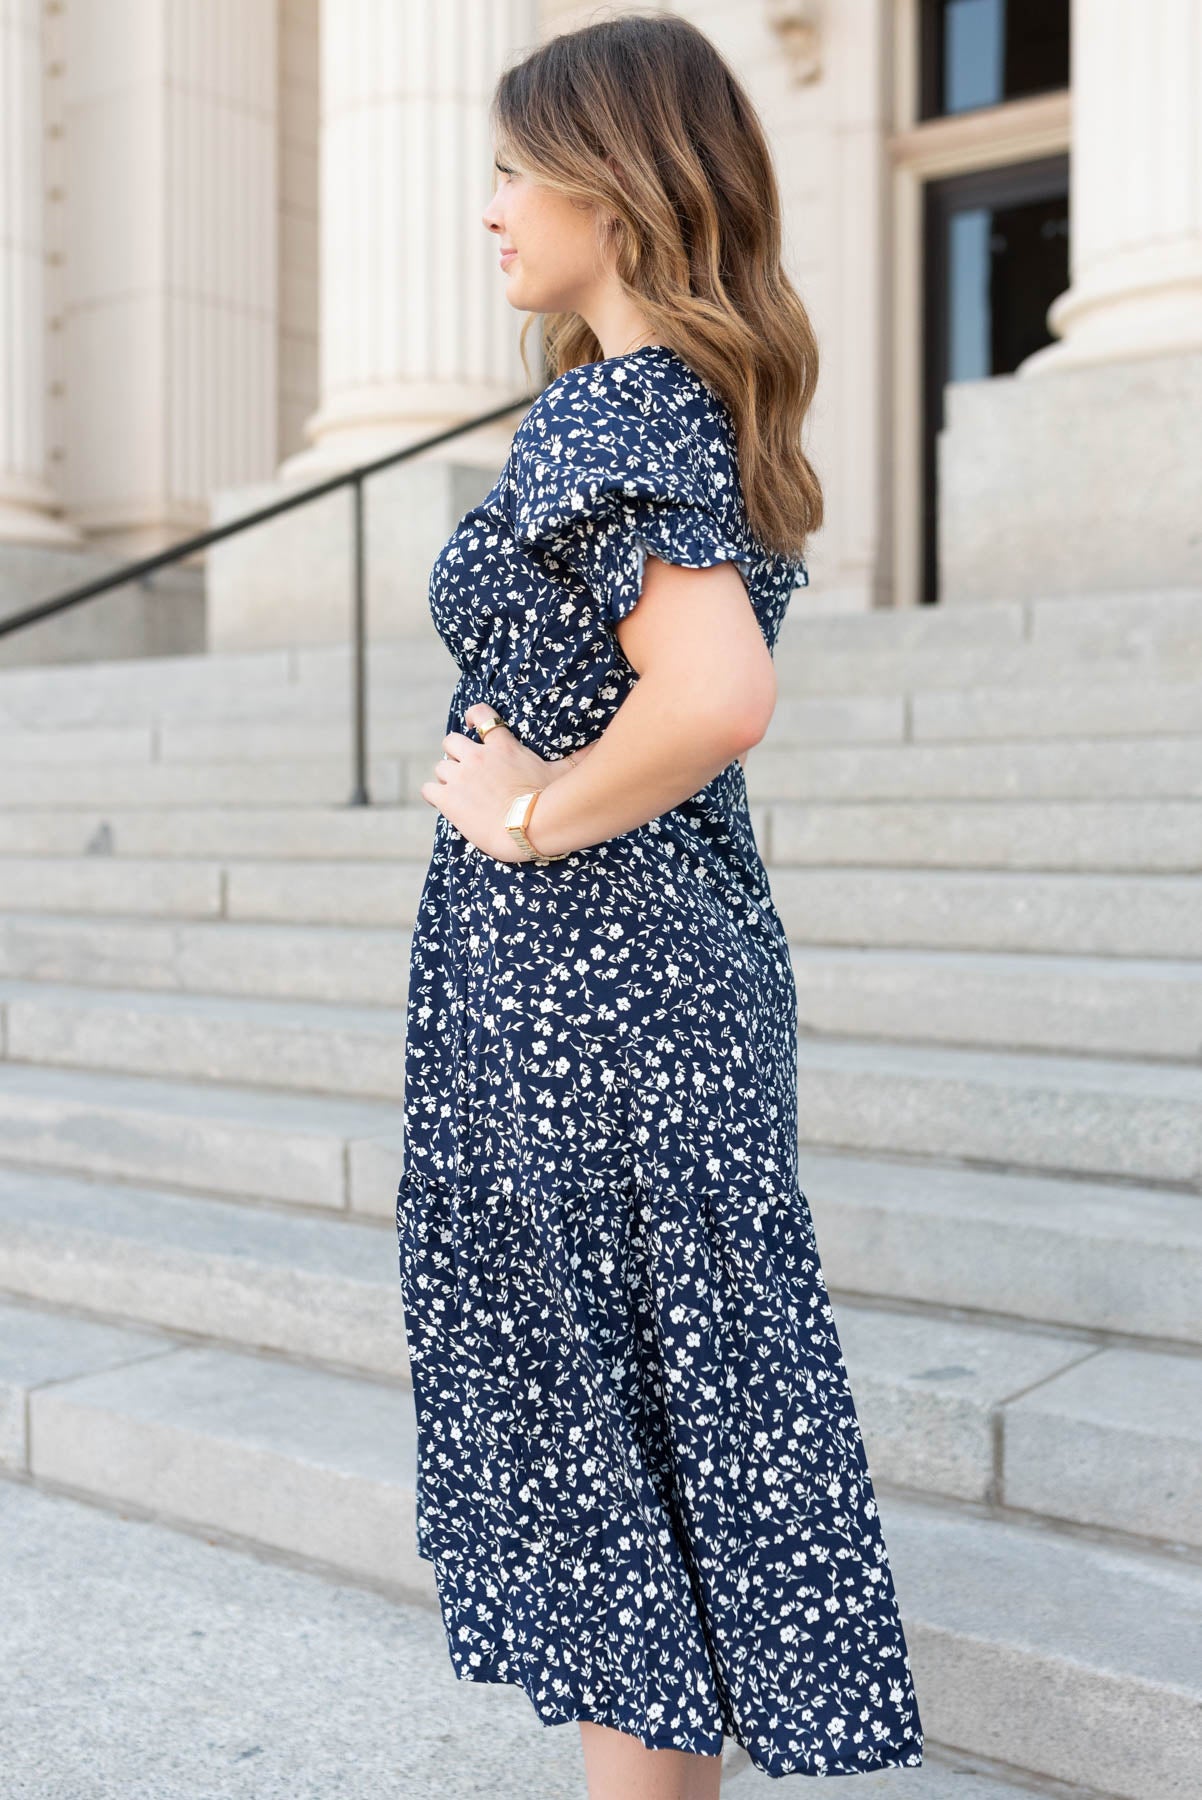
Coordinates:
641 117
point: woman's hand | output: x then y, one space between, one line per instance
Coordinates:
474 783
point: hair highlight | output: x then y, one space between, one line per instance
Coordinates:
641 117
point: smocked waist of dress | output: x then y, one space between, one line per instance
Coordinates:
550 719
699 855
708 836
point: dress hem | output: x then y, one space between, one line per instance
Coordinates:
617 1723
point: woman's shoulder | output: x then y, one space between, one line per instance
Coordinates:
644 417
633 449
605 438
648 395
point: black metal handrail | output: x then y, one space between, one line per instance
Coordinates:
352 478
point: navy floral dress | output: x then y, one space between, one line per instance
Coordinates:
640 1475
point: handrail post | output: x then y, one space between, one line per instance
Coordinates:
359 794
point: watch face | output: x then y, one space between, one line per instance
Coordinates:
517 810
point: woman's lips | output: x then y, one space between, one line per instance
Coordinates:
507 257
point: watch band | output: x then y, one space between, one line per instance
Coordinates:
517 818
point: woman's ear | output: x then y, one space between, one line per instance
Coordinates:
616 170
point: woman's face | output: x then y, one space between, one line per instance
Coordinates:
558 265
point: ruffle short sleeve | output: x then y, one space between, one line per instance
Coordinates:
606 470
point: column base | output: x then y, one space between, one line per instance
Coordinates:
28 515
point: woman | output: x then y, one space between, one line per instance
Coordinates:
641 1479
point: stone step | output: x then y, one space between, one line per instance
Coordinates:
1123 619
326 1290
998 1612
1100 1255
1108 1257
169 746
150 913
1122 836
1052 1423
1129 706
256 1143
300 1459
369 963
1037 1423
995 910
926 669
1164 767
1117 836
283 769
1098 1006
91 693
1108 1117
1150 916
1077 706
1114 1440
342 965
257 1277
68 748
316 832
158 887
338 891
1029 1111
1079 1005
1030 642
852 704
1127 622
1121 1263
282 782
1089 625
1075 1660
249 685
313 1046
257 723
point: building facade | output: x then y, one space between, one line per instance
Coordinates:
243 249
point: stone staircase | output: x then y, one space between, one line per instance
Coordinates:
983 827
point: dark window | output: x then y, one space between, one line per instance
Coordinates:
981 52
996 256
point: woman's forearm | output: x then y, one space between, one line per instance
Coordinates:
660 747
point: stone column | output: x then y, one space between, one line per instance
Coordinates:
171 288
415 331
1136 185
26 497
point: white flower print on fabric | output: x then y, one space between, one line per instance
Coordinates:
641 1478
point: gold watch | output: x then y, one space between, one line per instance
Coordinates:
517 817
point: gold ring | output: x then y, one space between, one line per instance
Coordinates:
483 730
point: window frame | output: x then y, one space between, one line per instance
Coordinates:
930 100
1042 178
921 150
